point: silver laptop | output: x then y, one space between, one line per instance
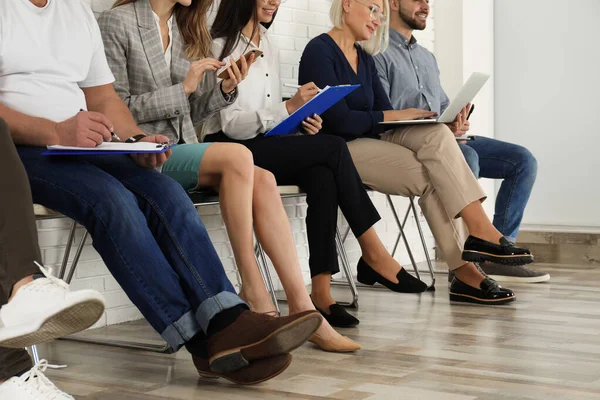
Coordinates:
464 97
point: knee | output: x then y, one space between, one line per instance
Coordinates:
239 161
264 182
528 164
472 158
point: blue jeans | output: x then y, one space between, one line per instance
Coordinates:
516 166
147 232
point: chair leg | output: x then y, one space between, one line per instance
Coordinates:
403 236
347 271
263 266
427 257
76 259
34 353
65 261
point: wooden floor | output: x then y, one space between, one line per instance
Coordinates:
544 346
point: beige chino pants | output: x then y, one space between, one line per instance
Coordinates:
423 161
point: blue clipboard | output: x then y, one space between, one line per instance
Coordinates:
327 98
159 149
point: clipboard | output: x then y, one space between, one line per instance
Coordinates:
108 148
324 100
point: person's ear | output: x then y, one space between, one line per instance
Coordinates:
395 5
347 5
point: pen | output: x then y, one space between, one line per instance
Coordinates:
471 111
114 135
291 85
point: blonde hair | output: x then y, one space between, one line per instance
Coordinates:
192 25
379 41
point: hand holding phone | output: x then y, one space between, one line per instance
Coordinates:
257 53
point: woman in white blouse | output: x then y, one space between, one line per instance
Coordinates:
157 50
320 164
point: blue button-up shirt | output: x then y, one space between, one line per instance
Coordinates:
410 75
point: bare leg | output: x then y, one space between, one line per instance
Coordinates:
229 168
321 291
274 233
470 275
479 224
376 255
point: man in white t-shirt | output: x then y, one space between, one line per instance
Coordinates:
143 224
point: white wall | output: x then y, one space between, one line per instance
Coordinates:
464 42
548 99
297 22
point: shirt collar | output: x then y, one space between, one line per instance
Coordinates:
169 22
398 38
263 32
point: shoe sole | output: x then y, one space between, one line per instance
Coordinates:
284 340
211 375
463 298
67 321
479 257
517 279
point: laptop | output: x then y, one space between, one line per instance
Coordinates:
464 97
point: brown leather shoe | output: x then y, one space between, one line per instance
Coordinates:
255 336
258 371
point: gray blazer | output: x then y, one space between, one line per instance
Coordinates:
154 94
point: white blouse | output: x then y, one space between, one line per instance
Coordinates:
168 52
259 106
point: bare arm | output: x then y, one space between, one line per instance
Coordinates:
104 100
26 130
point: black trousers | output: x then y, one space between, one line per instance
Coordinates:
18 240
322 167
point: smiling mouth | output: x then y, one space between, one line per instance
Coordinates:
422 16
269 11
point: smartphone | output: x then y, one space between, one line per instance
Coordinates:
257 53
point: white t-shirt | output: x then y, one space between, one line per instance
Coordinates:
47 54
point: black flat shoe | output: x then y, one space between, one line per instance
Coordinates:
479 250
339 317
406 282
489 293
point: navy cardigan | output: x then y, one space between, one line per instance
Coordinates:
359 114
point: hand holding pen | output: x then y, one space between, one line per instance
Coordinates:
85 129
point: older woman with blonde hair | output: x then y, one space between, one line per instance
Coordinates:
415 160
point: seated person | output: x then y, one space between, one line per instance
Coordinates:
142 222
319 164
404 67
248 195
421 160
36 307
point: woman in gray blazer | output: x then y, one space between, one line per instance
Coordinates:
158 51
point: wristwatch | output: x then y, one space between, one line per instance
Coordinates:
228 96
136 138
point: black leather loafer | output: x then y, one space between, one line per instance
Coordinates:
339 317
489 293
406 282
479 250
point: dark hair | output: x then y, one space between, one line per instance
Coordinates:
232 17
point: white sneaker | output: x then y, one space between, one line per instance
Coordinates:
46 309
33 385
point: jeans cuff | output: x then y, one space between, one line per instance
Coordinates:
214 305
181 331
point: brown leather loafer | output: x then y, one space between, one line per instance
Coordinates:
257 372
255 336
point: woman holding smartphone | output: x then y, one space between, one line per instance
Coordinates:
417 160
158 51
320 164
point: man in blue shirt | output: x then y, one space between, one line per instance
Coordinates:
410 75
